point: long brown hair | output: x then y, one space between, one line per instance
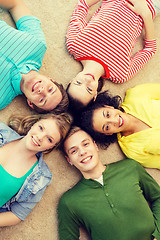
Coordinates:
22 124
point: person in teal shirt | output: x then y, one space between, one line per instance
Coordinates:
110 201
21 54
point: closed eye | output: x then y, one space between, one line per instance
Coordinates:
89 90
50 140
50 89
77 83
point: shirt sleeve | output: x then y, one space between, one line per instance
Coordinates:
78 20
152 90
68 224
7 134
151 191
142 57
31 25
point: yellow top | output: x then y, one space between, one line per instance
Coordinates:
143 102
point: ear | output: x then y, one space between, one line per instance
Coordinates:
109 106
68 159
96 146
30 104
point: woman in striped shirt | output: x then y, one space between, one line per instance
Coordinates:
104 44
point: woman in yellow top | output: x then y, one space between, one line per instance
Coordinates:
136 123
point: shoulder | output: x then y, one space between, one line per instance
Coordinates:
139 89
32 25
124 164
70 196
7 134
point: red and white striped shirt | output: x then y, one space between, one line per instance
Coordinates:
109 37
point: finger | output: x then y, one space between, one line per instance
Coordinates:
130 6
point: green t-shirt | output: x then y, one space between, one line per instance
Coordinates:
116 210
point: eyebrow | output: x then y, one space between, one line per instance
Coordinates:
103 128
104 124
47 133
46 99
76 146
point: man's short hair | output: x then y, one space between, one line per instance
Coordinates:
61 107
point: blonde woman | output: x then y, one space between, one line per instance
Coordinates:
22 169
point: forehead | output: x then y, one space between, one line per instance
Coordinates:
76 139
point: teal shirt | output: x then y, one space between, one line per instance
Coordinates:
21 50
12 183
117 210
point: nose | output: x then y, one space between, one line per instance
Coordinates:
88 79
42 89
40 136
113 120
82 151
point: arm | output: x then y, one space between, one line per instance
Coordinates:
78 20
140 8
8 219
151 192
91 2
17 8
142 57
68 224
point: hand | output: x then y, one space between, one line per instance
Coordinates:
91 2
139 7
8 4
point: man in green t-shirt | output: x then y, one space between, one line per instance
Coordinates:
117 201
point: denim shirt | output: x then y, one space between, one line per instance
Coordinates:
33 188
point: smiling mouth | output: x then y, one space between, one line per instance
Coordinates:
35 143
86 159
121 121
89 74
35 87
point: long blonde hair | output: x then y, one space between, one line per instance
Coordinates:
22 124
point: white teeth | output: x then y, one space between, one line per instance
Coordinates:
34 141
120 122
86 159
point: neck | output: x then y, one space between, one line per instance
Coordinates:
20 147
94 68
94 173
130 126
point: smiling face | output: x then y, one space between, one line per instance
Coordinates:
108 120
43 135
41 91
83 88
82 152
